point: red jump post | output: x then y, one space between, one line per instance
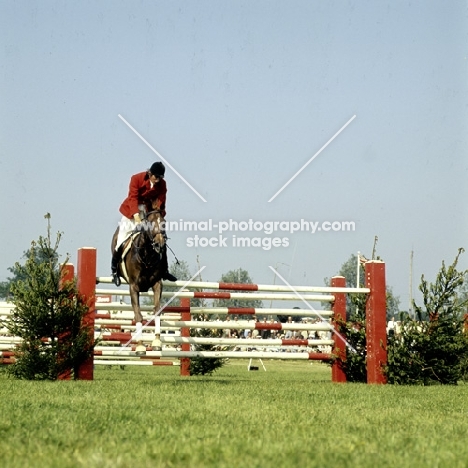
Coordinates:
376 322
86 284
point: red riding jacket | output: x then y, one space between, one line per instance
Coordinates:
141 192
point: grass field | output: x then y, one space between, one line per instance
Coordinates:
289 416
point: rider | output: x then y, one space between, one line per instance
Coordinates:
144 188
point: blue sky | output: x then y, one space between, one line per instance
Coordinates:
237 96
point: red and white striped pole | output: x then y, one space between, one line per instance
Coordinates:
376 322
339 314
86 285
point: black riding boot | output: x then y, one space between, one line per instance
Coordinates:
166 275
116 257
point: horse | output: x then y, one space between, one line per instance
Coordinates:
144 261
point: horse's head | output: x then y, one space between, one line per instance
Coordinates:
153 227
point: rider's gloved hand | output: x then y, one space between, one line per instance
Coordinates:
136 218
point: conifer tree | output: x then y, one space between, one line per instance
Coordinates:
433 348
47 316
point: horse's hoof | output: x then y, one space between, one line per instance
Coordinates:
140 350
156 345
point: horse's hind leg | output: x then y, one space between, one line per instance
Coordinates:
157 290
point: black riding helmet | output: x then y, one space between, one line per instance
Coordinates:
157 169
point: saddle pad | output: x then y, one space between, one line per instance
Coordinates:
127 245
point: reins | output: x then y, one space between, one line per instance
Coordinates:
162 232
164 235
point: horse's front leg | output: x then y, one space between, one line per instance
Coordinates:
157 291
135 299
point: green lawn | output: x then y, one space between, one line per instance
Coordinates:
291 415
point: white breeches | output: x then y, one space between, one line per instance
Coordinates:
126 226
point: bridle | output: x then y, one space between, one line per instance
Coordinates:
158 248
146 232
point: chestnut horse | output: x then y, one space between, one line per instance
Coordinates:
144 260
